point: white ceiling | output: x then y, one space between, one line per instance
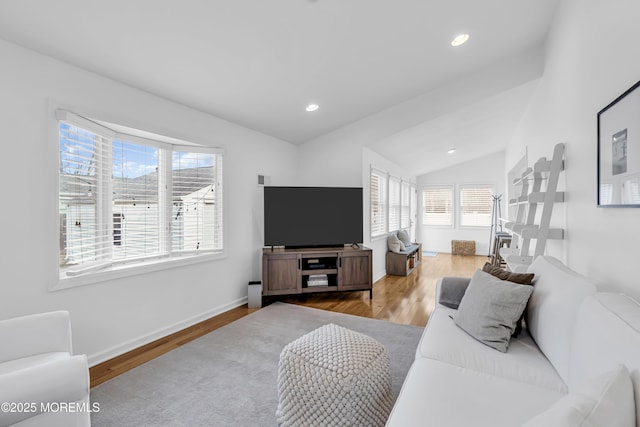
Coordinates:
474 130
258 63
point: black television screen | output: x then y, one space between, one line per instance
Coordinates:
312 216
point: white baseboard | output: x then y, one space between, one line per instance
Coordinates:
120 349
379 276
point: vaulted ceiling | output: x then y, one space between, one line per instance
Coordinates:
260 63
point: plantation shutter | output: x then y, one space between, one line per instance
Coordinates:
394 204
475 205
378 190
414 211
437 206
405 211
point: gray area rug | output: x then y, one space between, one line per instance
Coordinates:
229 376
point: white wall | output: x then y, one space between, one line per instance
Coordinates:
485 170
371 159
111 317
591 58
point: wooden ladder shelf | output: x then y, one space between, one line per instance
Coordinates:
528 225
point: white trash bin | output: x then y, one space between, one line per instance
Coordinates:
255 295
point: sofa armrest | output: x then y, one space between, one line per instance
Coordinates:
35 334
450 290
64 380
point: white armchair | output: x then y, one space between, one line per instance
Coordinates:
41 382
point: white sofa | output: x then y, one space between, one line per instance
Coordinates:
41 382
574 334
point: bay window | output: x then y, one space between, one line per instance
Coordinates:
125 199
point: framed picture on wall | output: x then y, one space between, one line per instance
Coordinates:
619 151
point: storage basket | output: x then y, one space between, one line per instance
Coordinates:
463 247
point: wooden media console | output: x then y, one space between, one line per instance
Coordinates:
310 270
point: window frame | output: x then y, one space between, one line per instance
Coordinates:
131 267
413 210
461 188
452 208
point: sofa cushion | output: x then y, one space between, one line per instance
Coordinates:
56 380
607 333
439 394
490 309
29 361
443 340
558 292
411 248
605 400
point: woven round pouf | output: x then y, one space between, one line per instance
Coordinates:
333 376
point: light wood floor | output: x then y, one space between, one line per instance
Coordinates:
399 299
407 300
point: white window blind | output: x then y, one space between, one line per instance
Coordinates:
127 199
405 205
475 205
82 237
135 199
394 204
378 188
196 202
437 205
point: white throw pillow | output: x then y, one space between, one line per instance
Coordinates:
604 400
403 236
394 244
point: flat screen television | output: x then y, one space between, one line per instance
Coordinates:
312 216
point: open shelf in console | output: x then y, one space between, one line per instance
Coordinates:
319 280
320 265
320 272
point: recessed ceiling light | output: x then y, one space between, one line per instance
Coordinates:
451 150
460 39
312 107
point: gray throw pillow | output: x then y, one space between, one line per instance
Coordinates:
520 278
490 309
403 236
452 290
394 244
